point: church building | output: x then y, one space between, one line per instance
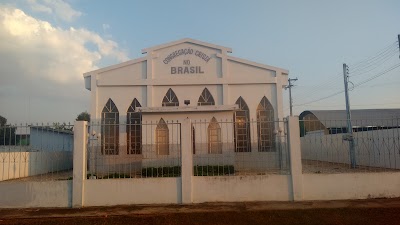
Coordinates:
179 80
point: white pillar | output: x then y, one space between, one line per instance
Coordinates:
79 173
296 169
187 161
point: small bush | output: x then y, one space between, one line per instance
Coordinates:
166 171
213 170
115 175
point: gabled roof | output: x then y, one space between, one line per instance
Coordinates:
359 117
186 40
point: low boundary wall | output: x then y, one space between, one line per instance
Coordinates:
83 192
35 194
351 186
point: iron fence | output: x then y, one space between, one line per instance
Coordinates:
138 150
36 152
228 148
327 146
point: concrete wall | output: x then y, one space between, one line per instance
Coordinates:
24 164
351 186
376 148
195 189
132 191
241 188
35 194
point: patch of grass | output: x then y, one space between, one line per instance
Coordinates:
166 171
213 170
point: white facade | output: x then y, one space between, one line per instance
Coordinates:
183 69
148 79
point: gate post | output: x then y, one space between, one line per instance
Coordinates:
79 171
186 162
296 169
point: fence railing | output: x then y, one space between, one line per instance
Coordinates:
36 152
327 146
140 150
227 148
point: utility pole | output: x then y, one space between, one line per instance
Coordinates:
349 136
290 94
398 40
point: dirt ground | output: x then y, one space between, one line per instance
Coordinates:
354 212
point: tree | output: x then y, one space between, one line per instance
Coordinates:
3 121
84 116
7 133
62 126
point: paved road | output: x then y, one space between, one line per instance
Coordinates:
363 212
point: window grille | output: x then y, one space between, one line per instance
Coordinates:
242 127
134 129
110 129
170 99
214 137
265 126
206 98
162 138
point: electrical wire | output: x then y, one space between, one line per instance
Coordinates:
358 69
356 85
376 55
377 75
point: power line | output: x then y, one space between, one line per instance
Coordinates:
360 71
377 75
317 100
376 55
359 68
356 85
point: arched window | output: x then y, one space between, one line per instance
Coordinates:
170 99
242 127
206 98
110 129
162 138
194 140
265 126
214 137
134 129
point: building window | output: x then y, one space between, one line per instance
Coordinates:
134 129
162 138
265 126
194 139
214 137
170 99
242 127
110 129
206 98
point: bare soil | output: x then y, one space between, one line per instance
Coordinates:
354 212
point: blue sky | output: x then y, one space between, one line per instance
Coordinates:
47 45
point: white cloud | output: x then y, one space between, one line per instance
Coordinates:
106 26
46 62
39 7
59 8
51 52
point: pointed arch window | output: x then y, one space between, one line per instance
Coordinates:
110 129
162 138
134 129
265 126
206 98
242 127
170 99
214 137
